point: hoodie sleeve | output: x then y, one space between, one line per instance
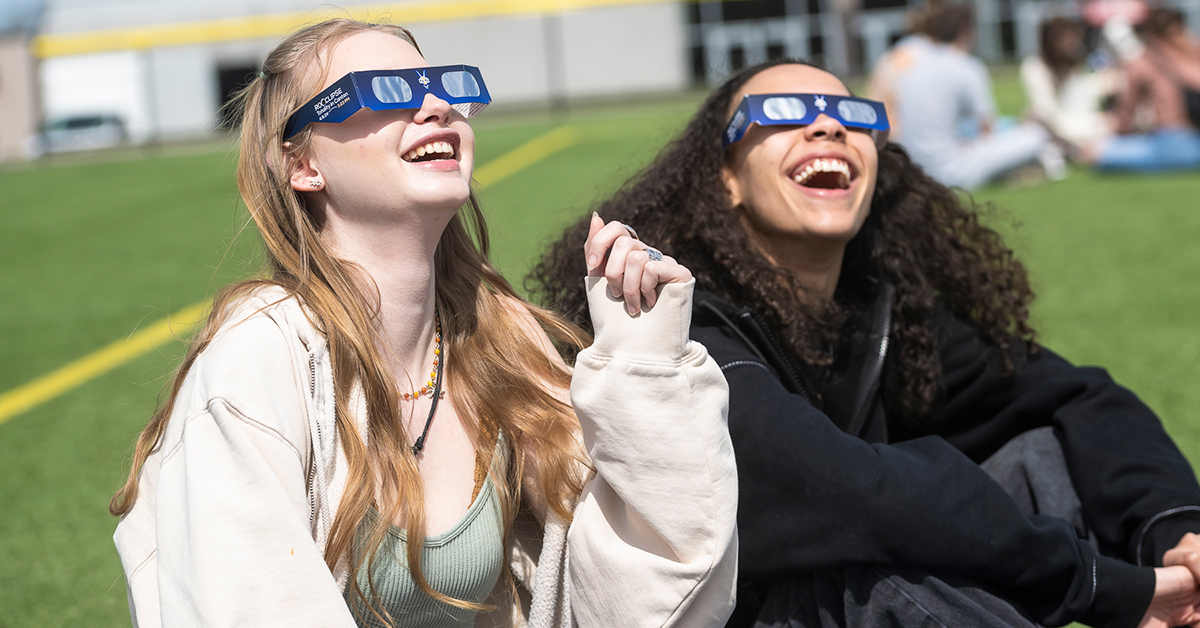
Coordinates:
653 541
235 546
1139 493
813 497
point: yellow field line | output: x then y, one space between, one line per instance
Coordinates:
281 24
93 365
526 155
53 384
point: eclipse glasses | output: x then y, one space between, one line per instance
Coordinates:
803 109
378 90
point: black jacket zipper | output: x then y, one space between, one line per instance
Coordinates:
776 347
863 411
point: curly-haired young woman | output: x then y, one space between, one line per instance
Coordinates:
907 455
380 432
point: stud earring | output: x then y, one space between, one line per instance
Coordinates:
315 184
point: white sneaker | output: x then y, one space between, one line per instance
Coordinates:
1053 162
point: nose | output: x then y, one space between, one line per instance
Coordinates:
825 128
433 109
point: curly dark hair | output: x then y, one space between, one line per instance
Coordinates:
919 236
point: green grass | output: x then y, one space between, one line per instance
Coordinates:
1114 264
94 246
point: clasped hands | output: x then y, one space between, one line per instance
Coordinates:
1176 600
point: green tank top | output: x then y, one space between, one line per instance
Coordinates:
463 563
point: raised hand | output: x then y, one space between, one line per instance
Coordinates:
634 270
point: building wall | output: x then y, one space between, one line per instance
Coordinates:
184 92
509 51
627 49
173 92
105 83
18 97
612 50
72 16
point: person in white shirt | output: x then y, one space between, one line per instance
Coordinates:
944 104
891 68
898 60
1062 94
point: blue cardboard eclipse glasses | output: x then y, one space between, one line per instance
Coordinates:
460 85
802 109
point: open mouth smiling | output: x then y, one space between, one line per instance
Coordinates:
824 173
431 151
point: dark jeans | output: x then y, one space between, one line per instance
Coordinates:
1031 467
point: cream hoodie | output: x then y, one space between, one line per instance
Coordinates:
234 506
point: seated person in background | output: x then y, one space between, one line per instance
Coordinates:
947 90
895 64
907 454
1155 115
1062 93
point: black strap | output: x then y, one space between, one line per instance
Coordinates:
437 393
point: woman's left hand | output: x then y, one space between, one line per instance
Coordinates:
633 269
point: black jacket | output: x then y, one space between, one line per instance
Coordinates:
828 477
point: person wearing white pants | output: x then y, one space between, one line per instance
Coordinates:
948 92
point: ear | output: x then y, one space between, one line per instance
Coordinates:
305 176
732 184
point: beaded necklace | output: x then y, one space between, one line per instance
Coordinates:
437 364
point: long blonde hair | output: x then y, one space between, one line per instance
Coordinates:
502 385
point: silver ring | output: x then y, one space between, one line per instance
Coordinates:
632 233
655 256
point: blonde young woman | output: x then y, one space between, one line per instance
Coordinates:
381 432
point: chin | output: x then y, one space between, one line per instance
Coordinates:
444 197
832 238
838 229
448 204
839 226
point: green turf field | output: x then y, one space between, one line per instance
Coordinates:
95 246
